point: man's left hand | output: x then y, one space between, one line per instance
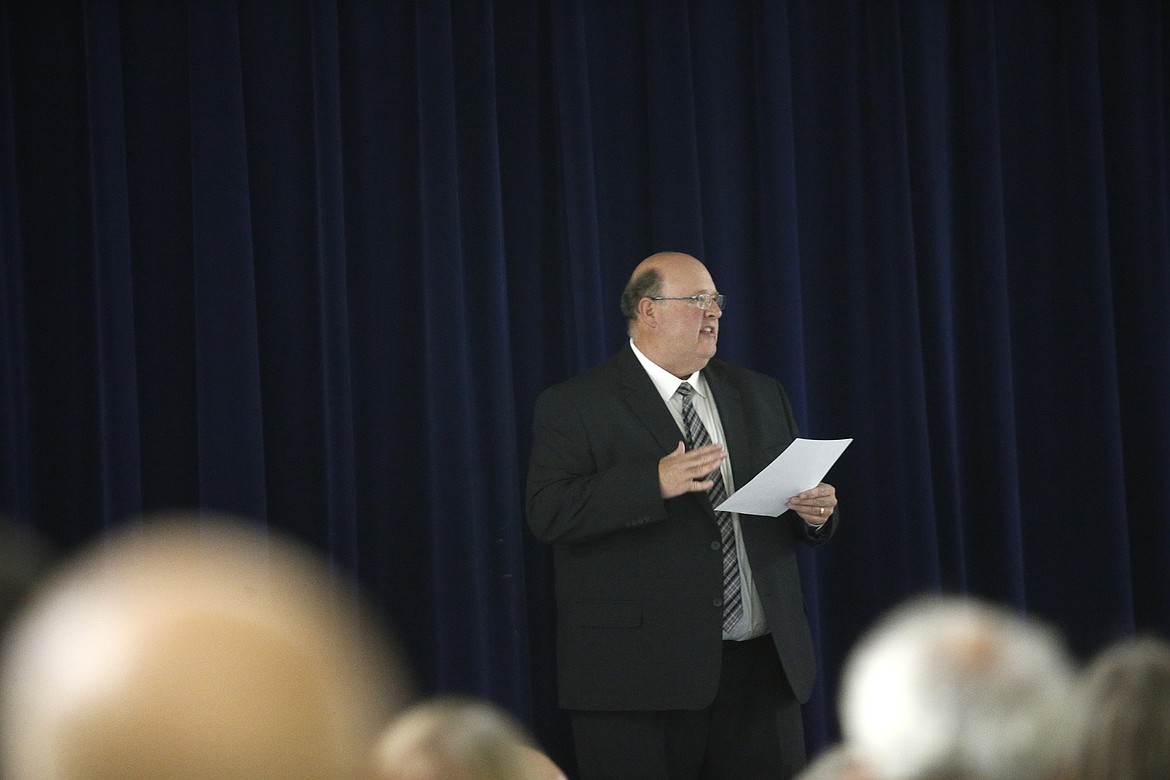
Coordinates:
816 505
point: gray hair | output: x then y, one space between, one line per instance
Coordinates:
645 285
1127 713
953 687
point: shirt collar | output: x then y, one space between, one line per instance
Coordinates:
665 382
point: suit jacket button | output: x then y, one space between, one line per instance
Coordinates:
717 602
716 546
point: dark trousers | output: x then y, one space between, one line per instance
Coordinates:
752 730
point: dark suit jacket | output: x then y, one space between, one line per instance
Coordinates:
638 578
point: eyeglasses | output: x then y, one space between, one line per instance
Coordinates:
702 300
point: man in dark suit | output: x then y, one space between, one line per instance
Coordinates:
683 647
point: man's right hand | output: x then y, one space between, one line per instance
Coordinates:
686 471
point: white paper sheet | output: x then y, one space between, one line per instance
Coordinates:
801 466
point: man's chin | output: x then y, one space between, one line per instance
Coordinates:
702 362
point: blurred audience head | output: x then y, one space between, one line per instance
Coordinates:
835 763
1126 730
950 687
193 647
456 738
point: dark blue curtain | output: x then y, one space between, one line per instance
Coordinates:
312 263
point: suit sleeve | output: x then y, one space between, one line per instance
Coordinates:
577 488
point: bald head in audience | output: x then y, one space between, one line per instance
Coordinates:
193 649
834 763
456 738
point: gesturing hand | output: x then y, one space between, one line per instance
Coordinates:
686 471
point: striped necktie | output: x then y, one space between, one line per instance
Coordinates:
697 436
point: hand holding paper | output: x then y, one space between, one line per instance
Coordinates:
800 467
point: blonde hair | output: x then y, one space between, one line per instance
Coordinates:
459 738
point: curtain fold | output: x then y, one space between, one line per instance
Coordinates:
332 264
1136 167
773 227
230 419
15 431
119 458
581 289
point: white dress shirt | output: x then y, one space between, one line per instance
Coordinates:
753 622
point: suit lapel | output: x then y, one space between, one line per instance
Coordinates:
645 402
735 432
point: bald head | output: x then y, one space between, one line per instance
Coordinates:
646 281
672 331
193 650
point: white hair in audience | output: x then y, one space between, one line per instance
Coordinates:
950 687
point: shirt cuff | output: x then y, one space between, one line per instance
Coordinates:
816 531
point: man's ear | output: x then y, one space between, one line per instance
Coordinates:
648 312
